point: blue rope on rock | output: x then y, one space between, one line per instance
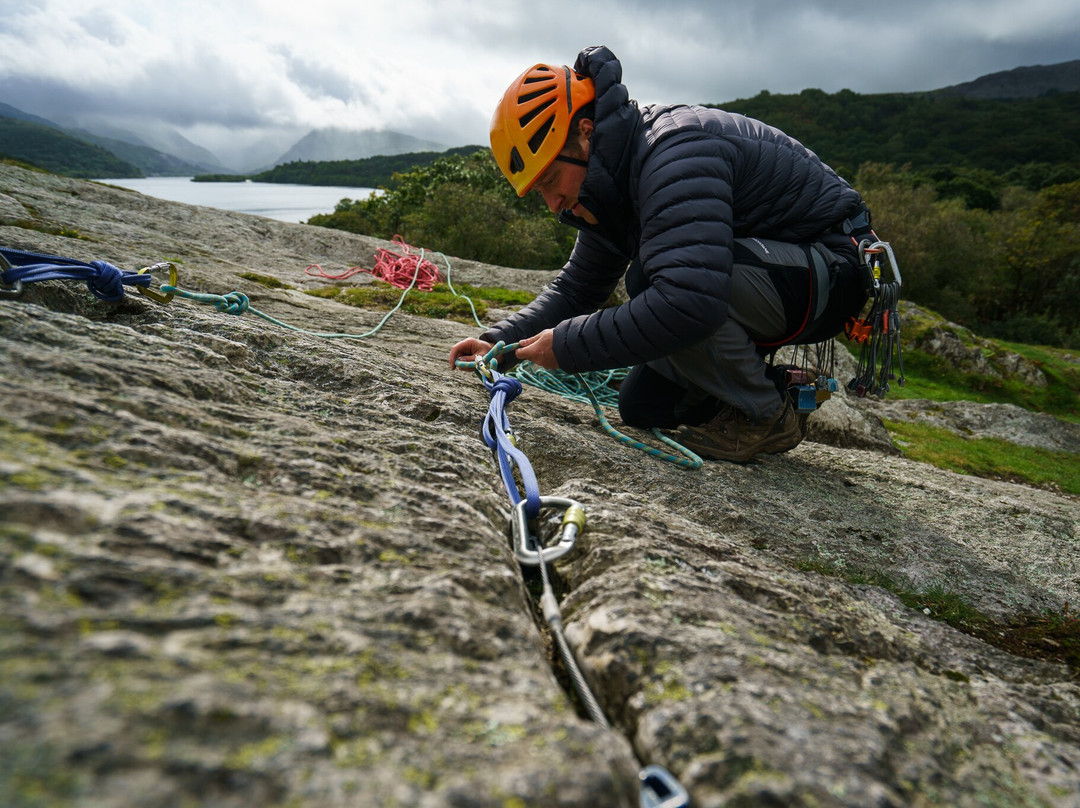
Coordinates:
104 280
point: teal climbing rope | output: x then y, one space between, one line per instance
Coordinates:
575 386
238 303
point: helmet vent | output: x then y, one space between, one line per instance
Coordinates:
525 119
527 97
517 165
537 140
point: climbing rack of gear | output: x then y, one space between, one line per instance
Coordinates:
807 390
879 331
659 788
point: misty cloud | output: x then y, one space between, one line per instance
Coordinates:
238 71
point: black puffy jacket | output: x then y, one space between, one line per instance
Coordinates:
672 186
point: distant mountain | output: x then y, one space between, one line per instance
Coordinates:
48 147
151 161
351 144
1021 82
163 139
8 111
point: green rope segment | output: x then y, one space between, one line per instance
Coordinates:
576 386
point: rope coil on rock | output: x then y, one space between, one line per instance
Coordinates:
403 269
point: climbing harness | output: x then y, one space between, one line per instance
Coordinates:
879 332
659 788
402 269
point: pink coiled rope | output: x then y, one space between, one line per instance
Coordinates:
396 268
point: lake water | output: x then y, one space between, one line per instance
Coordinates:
287 203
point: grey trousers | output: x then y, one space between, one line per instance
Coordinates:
729 365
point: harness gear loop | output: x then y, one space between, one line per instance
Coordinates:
527 546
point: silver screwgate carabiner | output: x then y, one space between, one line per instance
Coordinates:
527 548
660 789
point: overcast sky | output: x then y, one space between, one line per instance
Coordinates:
225 70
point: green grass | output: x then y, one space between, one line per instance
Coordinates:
987 457
937 379
440 303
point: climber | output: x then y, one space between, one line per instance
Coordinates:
733 238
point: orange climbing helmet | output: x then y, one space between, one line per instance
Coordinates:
532 122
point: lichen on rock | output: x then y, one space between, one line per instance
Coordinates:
246 566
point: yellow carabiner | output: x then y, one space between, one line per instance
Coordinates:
160 298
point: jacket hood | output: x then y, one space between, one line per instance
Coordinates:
607 179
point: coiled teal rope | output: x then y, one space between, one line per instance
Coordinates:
684 458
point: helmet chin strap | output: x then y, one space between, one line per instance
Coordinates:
572 161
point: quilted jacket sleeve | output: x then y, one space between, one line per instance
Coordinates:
685 211
585 283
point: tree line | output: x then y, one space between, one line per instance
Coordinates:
984 234
367 172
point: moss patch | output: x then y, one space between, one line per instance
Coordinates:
440 303
45 227
268 281
990 458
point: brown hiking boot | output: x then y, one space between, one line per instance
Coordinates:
734 437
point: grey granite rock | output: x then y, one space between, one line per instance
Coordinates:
241 565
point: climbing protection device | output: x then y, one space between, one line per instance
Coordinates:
879 332
659 788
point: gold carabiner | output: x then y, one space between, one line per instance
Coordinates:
160 298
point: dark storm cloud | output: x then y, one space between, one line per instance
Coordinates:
251 64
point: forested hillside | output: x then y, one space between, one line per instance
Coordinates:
1032 142
51 149
368 172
